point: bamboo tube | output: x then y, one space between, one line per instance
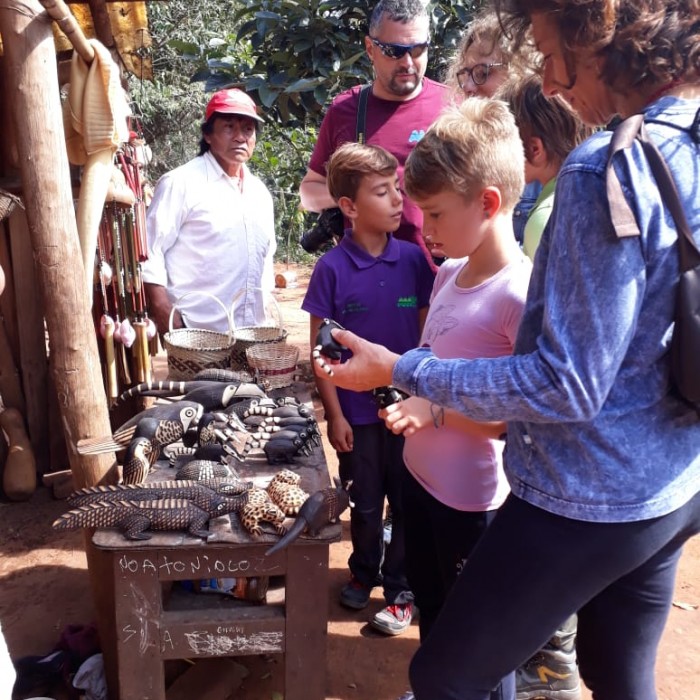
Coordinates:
110 363
58 11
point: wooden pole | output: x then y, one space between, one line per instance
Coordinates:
31 77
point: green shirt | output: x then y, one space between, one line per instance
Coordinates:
538 218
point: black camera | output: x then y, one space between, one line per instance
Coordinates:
330 224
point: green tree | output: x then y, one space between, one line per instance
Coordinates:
294 56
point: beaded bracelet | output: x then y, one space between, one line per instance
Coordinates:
438 414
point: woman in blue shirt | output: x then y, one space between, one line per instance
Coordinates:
602 457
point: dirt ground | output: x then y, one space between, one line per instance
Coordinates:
44 586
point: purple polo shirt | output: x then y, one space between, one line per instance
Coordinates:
376 298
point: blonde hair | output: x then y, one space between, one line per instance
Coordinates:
353 161
470 147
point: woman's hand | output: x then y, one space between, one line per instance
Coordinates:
407 417
371 365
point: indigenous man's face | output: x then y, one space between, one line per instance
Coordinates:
232 141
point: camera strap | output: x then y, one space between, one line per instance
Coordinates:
362 114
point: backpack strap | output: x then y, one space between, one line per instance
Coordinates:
620 211
360 135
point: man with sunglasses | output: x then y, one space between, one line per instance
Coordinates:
402 104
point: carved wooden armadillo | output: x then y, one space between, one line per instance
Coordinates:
319 509
199 469
133 518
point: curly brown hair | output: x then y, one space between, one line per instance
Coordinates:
642 42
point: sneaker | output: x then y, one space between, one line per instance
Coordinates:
549 675
394 619
355 595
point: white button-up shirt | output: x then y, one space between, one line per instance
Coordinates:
207 234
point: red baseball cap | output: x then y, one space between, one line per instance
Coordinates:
232 101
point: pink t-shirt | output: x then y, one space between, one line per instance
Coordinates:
463 471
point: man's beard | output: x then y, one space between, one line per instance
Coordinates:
404 88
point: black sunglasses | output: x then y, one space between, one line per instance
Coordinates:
397 51
478 73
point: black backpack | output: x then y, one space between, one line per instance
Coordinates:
685 342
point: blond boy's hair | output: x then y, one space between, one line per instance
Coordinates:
550 119
470 147
353 161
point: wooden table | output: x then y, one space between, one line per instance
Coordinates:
152 627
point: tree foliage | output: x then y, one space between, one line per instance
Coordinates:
294 55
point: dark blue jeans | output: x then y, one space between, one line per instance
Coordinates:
376 469
530 571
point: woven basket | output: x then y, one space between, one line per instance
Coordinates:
272 331
273 363
191 350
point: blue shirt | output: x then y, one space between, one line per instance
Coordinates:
594 433
375 297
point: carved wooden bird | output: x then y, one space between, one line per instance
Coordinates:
163 424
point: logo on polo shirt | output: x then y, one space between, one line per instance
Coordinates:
416 135
407 302
354 307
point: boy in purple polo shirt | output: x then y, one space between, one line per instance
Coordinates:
378 287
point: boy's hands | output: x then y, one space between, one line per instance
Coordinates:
371 365
408 416
340 434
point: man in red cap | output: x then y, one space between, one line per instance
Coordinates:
211 228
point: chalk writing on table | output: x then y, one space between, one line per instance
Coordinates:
209 644
198 565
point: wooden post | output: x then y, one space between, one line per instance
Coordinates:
31 78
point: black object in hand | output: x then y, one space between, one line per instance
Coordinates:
325 343
387 395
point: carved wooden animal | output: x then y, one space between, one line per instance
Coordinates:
202 496
211 394
285 491
154 490
163 424
260 508
200 469
139 458
133 518
319 509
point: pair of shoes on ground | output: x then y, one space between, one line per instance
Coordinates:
392 620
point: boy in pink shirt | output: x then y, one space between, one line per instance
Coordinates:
466 175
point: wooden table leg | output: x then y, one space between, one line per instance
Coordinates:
306 610
137 600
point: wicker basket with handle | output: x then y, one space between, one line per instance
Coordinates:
190 350
273 364
272 331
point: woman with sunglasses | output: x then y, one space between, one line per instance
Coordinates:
602 455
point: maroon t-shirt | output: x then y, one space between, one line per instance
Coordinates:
393 125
